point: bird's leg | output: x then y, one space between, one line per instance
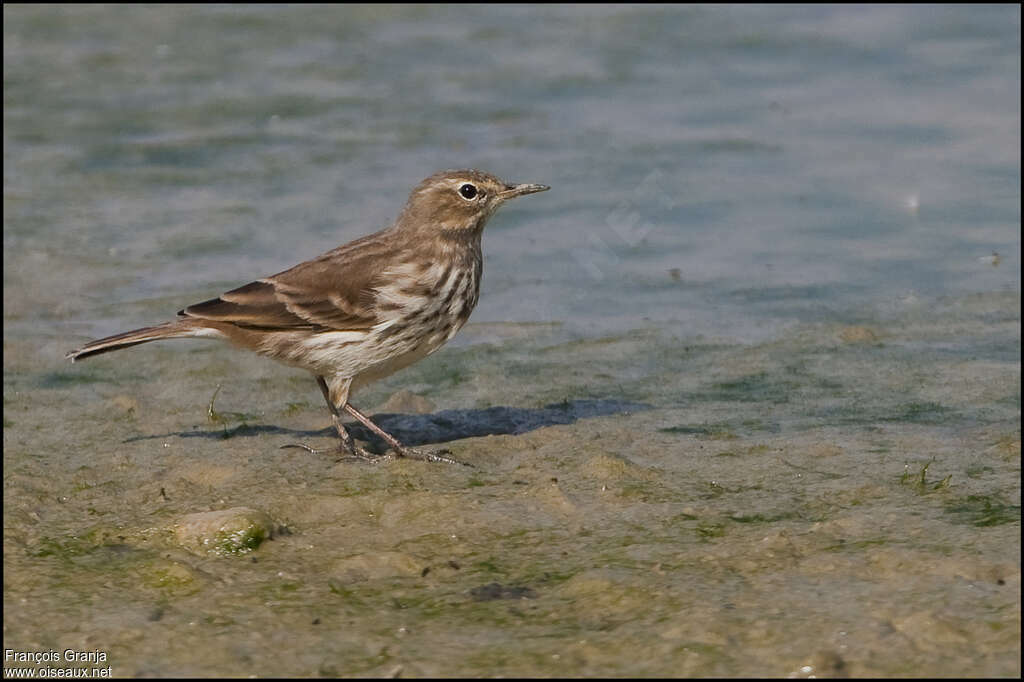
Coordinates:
347 448
402 450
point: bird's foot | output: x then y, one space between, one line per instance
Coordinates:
356 453
344 453
429 455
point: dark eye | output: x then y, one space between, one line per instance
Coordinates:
468 191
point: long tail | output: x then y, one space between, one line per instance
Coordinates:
167 330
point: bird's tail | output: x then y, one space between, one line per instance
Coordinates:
168 330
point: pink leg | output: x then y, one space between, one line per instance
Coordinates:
402 451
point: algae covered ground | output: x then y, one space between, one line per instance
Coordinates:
841 500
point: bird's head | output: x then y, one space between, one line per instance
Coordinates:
457 201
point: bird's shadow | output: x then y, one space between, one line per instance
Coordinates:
439 427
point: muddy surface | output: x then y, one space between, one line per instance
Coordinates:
841 500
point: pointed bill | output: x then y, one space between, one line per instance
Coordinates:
521 190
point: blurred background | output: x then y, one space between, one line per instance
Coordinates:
715 170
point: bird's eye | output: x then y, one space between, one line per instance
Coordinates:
468 192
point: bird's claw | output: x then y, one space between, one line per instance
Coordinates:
363 455
430 456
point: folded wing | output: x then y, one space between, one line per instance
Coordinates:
332 292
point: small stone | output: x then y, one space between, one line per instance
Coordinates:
377 565
224 532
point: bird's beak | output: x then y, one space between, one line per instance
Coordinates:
519 190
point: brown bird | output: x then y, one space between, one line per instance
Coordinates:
364 310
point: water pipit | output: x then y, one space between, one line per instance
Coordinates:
364 310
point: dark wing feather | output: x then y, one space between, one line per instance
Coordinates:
256 305
333 291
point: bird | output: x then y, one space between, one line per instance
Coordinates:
364 310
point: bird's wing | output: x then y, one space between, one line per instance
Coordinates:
334 291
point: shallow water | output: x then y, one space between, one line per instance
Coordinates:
742 393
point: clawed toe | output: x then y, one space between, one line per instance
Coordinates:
353 454
361 455
430 456
308 448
